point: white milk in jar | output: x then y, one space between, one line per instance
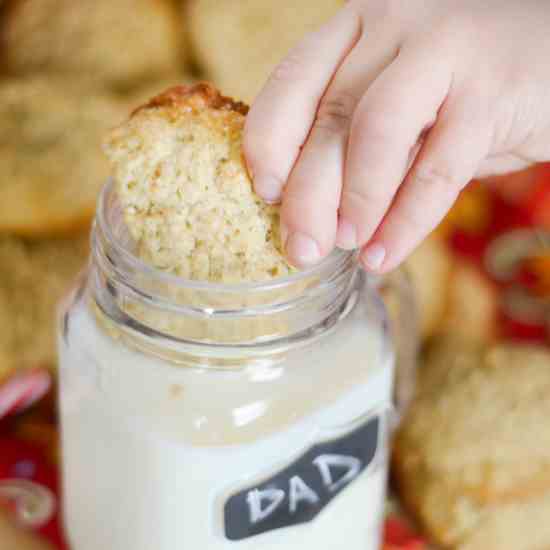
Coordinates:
212 417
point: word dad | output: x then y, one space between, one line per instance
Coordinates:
298 493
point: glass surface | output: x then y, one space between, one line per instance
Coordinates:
178 398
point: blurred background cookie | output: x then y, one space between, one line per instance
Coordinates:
237 43
51 165
33 277
472 304
472 459
116 43
429 269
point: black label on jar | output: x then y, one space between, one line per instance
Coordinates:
298 493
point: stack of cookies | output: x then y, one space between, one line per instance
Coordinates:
68 72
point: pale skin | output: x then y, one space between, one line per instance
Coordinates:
371 127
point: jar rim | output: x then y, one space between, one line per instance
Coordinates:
335 260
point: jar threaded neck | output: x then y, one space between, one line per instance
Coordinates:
153 302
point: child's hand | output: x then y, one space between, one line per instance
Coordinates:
372 126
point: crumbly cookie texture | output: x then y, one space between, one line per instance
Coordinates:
118 43
51 164
186 195
34 275
239 42
475 447
142 94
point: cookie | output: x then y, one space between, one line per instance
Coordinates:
116 43
185 192
472 305
239 42
51 163
142 94
515 526
34 275
429 269
476 443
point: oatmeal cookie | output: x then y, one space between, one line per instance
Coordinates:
33 277
50 154
472 306
475 447
116 43
429 268
239 42
186 194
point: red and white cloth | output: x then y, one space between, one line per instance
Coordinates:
29 476
21 391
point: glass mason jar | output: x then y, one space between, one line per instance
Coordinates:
208 416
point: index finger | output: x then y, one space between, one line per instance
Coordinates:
282 115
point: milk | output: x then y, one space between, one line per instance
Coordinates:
153 451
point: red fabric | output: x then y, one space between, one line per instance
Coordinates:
23 390
505 211
20 460
537 205
398 535
517 201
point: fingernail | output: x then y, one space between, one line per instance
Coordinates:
346 235
268 188
302 250
373 256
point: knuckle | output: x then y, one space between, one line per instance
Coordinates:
303 196
302 192
460 23
413 218
291 68
335 113
434 178
380 126
458 31
364 199
365 207
395 8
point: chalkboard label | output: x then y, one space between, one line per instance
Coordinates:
298 493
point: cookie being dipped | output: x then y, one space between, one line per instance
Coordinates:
186 195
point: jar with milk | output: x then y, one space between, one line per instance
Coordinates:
213 417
